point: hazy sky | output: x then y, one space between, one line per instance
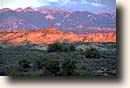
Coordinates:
95 6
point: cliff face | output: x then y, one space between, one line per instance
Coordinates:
51 35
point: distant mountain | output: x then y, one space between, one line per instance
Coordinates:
28 9
51 35
66 20
5 10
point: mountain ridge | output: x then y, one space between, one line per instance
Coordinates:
29 18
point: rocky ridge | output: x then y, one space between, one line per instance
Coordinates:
51 35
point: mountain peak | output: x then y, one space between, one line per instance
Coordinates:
55 9
50 10
28 9
19 9
5 10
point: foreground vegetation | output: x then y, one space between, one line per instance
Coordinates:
60 59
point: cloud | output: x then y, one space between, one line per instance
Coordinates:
64 2
92 5
37 3
97 4
21 3
47 1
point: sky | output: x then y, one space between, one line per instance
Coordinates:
95 6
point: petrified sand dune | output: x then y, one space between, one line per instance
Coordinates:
51 35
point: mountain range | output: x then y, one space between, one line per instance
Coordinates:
78 22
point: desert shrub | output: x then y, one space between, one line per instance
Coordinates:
56 47
2 61
40 63
1 47
68 67
107 53
13 73
59 47
72 47
3 73
51 66
27 74
24 64
84 73
66 49
92 53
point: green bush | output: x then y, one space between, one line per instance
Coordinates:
92 53
68 67
40 63
24 64
84 73
13 73
1 47
56 47
72 47
51 66
27 74
59 47
66 49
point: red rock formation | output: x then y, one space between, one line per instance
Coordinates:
100 37
51 35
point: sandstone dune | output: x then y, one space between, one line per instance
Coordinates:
51 35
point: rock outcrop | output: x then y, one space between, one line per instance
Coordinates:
51 35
